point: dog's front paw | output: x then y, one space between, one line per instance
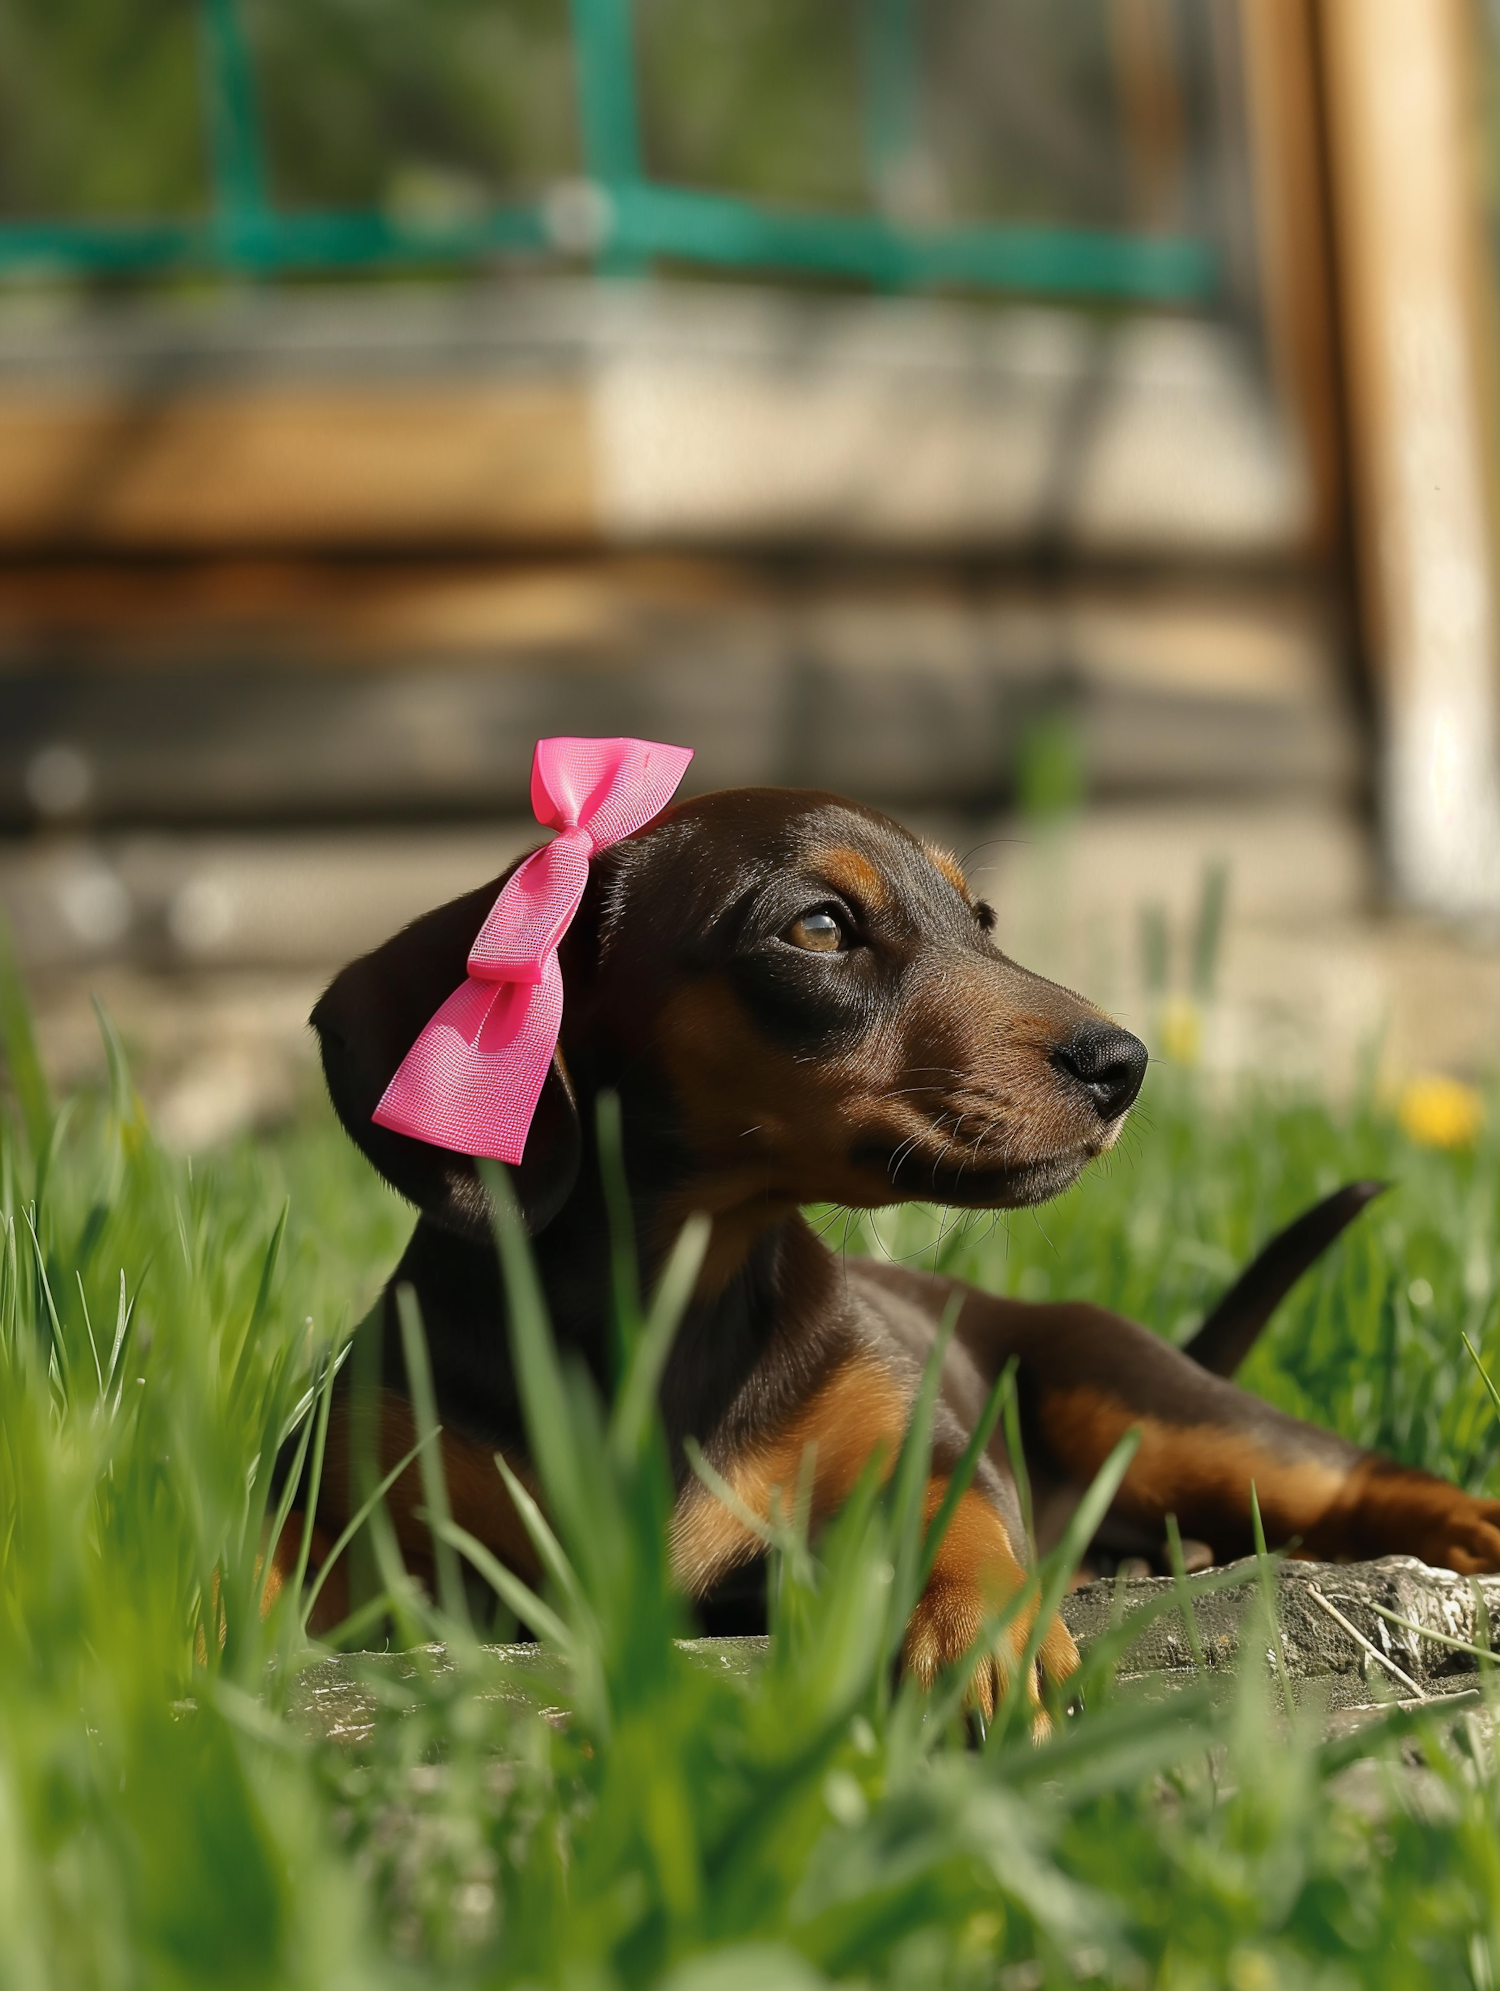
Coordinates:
974 1575
945 1625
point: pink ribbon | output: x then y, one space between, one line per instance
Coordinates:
472 1079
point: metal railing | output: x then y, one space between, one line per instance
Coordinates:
617 217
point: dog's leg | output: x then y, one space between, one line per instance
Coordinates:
1088 1376
860 1411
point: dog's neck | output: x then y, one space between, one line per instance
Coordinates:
766 1281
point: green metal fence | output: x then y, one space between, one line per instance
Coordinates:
618 217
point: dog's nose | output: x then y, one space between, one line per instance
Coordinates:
1108 1063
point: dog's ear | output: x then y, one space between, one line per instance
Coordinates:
368 1020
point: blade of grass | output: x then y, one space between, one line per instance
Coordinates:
1266 1571
1106 1648
262 1302
59 1347
1395 1723
755 1524
47 1154
18 1041
1438 1638
369 1614
1484 1373
123 1099
286 1501
1017 1452
353 1525
83 1301
549 1549
1056 1569
434 1480
372 1549
544 1396
909 1486
624 1266
1482 1623
782 1534
1184 1595
1116 1747
635 1405
314 1480
122 1324
308 1398
962 1476
523 1600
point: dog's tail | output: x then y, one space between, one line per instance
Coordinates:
1230 1331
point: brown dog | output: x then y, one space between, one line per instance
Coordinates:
797 1001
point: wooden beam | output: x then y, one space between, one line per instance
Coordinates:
178 467
1415 287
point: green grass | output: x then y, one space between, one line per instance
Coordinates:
164 1823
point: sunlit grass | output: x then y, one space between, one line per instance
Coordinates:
162 1823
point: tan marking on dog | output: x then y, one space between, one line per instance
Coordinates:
849 871
858 1413
951 869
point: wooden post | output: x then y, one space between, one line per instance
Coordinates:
1294 250
1414 290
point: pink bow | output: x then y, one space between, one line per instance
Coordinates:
472 1079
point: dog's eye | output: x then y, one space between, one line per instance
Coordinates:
818 933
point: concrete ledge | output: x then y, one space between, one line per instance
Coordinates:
1363 1661
336 1698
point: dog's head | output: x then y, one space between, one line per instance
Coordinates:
824 1006
799 1002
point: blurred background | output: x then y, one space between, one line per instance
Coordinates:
1067 423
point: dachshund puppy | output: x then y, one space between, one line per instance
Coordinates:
798 1001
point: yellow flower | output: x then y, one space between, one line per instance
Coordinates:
1440 1112
1252 1970
1181 1031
